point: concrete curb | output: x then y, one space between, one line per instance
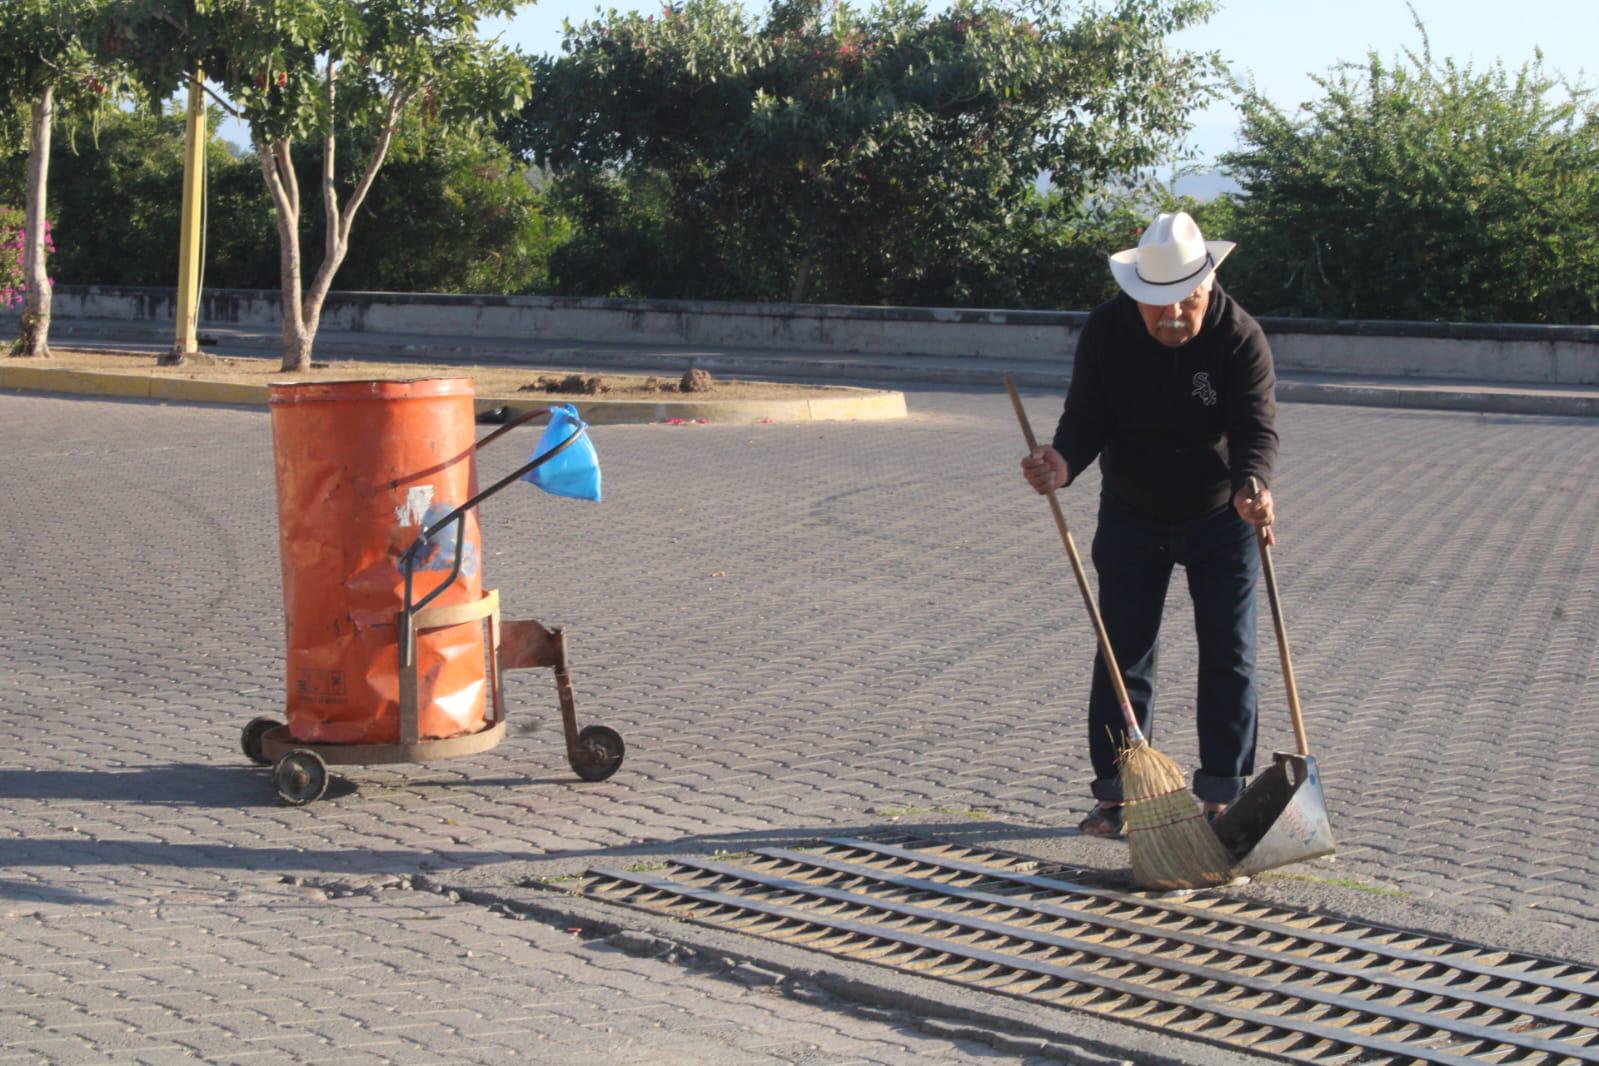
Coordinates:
1484 400
1395 392
1507 353
1428 394
855 405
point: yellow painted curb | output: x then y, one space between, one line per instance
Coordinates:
191 391
81 382
861 405
852 404
871 405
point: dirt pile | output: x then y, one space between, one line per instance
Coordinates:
579 384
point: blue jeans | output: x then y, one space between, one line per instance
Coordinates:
1134 559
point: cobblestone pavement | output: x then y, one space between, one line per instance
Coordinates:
795 628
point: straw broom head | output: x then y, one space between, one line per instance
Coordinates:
1172 844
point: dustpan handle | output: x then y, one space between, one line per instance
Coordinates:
1133 732
1282 631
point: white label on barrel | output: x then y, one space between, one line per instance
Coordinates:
410 513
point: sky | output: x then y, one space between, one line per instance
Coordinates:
1280 43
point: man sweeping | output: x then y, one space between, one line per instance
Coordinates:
1172 391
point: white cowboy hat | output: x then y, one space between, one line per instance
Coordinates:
1171 261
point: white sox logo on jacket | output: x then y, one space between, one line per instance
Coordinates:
1204 389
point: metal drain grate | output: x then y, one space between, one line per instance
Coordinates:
1284 983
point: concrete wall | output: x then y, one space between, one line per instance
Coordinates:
1557 355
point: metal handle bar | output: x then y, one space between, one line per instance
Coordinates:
521 419
458 517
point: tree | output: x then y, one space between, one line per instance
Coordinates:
315 69
452 213
47 66
878 155
1422 189
119 196
630 236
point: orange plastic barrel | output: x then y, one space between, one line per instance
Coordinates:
362 468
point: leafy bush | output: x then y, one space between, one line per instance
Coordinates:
13 286
11 291
874 155
1422 190
453 214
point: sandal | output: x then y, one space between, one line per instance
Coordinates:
1105 820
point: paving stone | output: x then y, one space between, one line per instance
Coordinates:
862 654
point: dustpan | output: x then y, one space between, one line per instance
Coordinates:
1281 818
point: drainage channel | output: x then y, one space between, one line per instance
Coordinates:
1288 984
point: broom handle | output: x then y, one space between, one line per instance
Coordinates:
1111 668
1282 631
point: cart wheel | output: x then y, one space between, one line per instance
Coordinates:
604 747
250 739
301 777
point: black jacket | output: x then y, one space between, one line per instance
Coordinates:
1177 430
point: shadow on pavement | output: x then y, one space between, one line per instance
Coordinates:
81 851
172 784
31 892
208 785
986 834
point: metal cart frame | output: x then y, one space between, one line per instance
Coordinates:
595 752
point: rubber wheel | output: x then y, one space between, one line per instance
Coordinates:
250 739
300 777
606 745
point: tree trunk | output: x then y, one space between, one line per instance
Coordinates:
802 279
278 169
296 341
302 310
34 339
338 220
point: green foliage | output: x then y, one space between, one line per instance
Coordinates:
273 58
1063 250
627 237
453 214
885 155
322 71
58 43
52 42
115 201
1421 190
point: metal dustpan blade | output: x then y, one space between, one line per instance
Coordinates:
1280 819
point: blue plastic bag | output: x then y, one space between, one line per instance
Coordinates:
576 471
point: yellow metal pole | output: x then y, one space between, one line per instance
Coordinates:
191 232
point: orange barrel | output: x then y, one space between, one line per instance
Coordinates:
362 468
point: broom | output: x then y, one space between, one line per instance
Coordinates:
1172 844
